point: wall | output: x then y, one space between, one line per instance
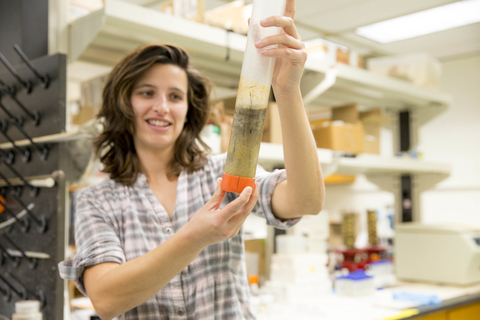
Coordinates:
454 136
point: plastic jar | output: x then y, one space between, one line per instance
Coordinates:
27 310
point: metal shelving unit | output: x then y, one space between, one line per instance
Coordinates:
105 36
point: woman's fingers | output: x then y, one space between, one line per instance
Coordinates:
233 207
290 9
283 39
244 212
297 57
217 198
283 22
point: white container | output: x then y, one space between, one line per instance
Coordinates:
317 245
356 284
210 134
290 244
382 272
422 69
27 310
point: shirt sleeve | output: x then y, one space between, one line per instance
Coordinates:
267 181
95 237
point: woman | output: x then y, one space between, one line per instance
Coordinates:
152 241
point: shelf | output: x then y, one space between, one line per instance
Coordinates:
271 155
355 85
374 164
105 36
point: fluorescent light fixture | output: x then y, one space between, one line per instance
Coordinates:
441 18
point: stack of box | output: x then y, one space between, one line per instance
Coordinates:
331 53
343 133
298 270
350 131
356 284
422 69
382 272
295 278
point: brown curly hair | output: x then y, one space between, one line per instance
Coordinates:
115 146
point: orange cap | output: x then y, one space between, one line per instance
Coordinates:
236 184
253 278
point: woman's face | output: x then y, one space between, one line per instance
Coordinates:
159 101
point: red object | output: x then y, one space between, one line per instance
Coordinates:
236 184
354 259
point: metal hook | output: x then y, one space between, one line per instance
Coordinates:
35 115
10 156
6 88
18 119
7 294
26 153
22 294
32 262
40 296
24 225
45 80
26 84
43 151
33 190
15 260
42 222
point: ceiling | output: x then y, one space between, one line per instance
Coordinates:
336 20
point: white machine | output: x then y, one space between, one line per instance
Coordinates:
447 254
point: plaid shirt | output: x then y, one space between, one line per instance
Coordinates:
115 223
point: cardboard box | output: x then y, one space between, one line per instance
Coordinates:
231 16
188 9
343 133
372 122
257 246
86 114
332 53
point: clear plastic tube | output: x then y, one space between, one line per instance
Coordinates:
252 101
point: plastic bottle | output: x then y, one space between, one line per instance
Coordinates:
27 310
252 101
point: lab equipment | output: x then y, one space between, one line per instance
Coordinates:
382 272
447 254
356 284
252 101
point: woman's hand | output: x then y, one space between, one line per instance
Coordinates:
291 54
211 224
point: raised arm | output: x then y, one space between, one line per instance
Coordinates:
304 191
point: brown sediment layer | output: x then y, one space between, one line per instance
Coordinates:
245 141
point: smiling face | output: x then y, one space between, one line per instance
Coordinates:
160 104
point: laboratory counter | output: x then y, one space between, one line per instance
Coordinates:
465 307
453 303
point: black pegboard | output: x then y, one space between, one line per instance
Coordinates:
41 281
49 102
